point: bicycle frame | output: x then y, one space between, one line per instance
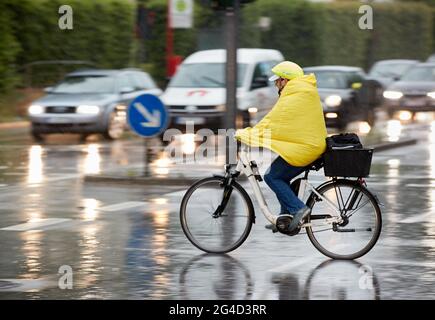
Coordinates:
244 166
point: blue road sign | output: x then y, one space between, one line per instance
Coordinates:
147 115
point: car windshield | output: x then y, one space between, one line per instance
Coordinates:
85 84
330 79
389 70
425 73
204 75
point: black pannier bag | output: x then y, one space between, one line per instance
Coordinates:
346 157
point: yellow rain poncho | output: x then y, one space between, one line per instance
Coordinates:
295 128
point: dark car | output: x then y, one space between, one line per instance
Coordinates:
89 101
414 92
340 90
388 71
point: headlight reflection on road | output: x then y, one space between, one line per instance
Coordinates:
160 219
432 133
159 244
432 152
160 201
35 167
393 170
90 263
90 206
92 159
32 252
429 225
394 129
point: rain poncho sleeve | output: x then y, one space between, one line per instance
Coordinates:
295 127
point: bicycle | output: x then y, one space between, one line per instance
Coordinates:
333 227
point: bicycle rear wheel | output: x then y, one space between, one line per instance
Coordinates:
361 226
211 232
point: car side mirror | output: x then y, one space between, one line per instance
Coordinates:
260 82
125 90
48 90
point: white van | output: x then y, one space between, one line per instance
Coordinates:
197 91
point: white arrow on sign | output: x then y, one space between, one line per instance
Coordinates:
153 120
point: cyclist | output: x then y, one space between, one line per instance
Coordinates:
294 129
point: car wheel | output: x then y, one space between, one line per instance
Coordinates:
341 124
37 136
83 137
115 126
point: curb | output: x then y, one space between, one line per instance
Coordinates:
14 125
392 145
182 181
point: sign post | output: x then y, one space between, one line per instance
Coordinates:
231 74
147 117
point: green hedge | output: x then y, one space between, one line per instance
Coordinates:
319 33
292 31
402 31
9 49
102 33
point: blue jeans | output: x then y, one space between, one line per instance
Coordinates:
278 178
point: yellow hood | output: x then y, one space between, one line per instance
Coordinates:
295 127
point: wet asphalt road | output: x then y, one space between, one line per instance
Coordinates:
125 242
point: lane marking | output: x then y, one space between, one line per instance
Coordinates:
35 224
425 217
180 193
123 206
401 262
415 185
22 285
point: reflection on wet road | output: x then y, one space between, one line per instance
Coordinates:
125 242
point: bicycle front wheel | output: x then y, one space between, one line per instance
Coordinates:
211 231
361 223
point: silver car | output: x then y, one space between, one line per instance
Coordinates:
389 71
415 92
89 101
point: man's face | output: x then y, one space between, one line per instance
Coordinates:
280 84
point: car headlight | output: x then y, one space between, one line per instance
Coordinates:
393 95
85 109
35 109
431 94
333 101
221 108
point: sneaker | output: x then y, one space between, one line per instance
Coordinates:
298 218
